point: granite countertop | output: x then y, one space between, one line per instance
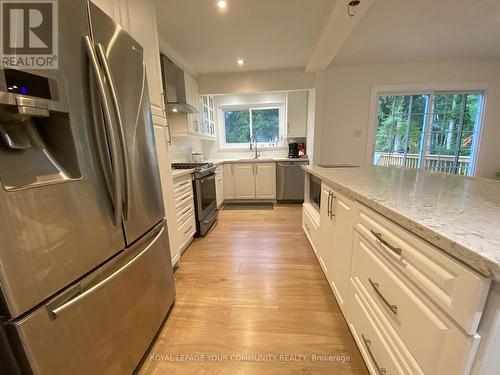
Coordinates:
250 160
181 172
460 215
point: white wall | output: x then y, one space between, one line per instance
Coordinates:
344 98
260 81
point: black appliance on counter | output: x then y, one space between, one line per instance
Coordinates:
293 150
205 199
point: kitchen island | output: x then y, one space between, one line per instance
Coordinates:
413 258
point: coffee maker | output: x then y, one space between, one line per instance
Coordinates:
293 150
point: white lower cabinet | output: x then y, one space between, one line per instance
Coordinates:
412 309
310 224
244 181
219 185
164 164
338 214
430 341
184 209
247 181
228 181
265 181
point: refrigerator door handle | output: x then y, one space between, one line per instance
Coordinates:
117 186
55 312
114 97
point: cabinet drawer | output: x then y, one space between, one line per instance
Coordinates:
184 215
310 228
186 230
180 201
183 181
458 290
182 190
186 200
434 343
379 355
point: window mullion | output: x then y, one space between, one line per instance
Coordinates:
428 120
250 110
408 125
459 133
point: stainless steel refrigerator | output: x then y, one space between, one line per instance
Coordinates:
85 271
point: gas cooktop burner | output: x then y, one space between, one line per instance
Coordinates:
197 166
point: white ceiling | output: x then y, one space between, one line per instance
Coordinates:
394 31
268 34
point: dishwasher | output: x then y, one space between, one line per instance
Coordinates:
290 181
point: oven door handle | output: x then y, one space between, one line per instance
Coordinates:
210 217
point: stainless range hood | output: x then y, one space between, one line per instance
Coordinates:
175 85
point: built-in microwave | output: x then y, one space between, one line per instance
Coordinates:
315 192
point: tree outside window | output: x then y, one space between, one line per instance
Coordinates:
433 131
262 123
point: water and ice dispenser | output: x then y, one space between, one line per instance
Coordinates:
36 140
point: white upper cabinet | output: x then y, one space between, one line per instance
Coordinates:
138 17
208 115
265 181
143 27
297 114
194 100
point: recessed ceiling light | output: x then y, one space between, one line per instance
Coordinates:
174 110
222 4
240 62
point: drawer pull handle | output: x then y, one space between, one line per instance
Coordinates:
367 342
378 236
187 231
375 286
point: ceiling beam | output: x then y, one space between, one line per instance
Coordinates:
338 28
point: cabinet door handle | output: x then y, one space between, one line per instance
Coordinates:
368 343
163 104
307 227
378 236
328 204
332 215
376 286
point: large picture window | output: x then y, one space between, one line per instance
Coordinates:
437 132
241 125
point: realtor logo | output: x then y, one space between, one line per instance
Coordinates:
29 34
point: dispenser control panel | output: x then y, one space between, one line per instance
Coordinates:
20 82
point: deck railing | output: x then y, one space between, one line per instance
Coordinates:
439 163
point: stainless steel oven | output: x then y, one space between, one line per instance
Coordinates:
205 199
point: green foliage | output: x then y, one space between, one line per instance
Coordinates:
237 126
264 125
397 113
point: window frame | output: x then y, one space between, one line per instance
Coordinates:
431 90
223 145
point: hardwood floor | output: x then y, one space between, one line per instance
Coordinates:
253 286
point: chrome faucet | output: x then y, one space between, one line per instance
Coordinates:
253 145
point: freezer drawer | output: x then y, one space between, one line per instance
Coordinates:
107 326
